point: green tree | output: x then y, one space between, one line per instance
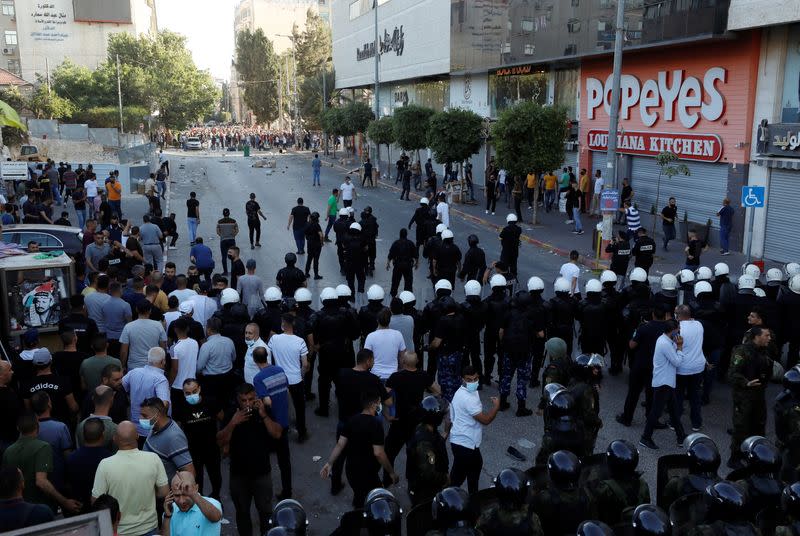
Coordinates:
455 135
313 56
257 66
310 98
46 104
381 132
667 167
13 130
357 116
333 122
529 137
411 125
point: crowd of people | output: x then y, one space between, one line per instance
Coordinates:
222 137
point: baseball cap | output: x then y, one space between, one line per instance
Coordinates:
30 336
186 307
42 357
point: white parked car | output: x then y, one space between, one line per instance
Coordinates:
193 143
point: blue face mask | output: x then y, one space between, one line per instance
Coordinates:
145 424
472 386
380 409
193 399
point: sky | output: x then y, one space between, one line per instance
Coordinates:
208 26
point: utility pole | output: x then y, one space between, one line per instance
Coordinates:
119 96
280 98
377 85
47 71
613 124
296 129
324 102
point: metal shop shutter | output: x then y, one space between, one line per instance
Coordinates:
780 238
599 162
570 159
699 194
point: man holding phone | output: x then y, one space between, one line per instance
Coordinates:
748 375
667 358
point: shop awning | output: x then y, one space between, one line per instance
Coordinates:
780 163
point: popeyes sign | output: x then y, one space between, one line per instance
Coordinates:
669 96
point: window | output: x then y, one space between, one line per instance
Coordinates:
506 49
529 48
45 240
790 104
11 37
8 10
527 25
13 66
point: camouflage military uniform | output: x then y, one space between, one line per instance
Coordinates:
787 430
427 464
792 529
560 511
748 362
556 371
588 414
505 521
679 486
610 497
520 363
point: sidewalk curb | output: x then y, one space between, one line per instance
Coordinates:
591 264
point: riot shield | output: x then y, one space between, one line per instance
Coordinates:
686 513
669 466
420 519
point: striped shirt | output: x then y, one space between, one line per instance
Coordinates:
633 218
171 446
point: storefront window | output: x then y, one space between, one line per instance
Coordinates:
790 104
566 91
433 94
505 91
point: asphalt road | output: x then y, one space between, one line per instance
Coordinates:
222 180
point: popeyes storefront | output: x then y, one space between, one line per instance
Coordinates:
695 101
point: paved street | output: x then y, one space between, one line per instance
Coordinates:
222 180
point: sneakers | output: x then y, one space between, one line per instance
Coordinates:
568 222
173 247
317 277
523 411
648 443
726 253
487 212
579 232
621 419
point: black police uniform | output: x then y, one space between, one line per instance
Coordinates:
643 252
496 306
474 264
620 256
340 228
562 318
509 242
431 314
331 328
289 279
425 221
355 260
427 464
593 316
369 229
368 318
617 344
789 306
403 254
473 310
429 252
269 319
448 259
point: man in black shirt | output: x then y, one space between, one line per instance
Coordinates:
253 211
448 340
298 219
509 242
170 230
367 174
199 420
290 278
237 266
474 261
84 327
668 216
620 249
67 362
405 256
361 441
57 387
447 259
625 195
192 216
644 250
110 376
244 437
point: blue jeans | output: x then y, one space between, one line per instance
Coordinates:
549 199
689 386
724 238
300 239
331 221
192 224
162 188
56 194
116 206
576 215
81 217
315 180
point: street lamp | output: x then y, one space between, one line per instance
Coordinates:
296 126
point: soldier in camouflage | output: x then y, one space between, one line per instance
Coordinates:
790 505
587 373
704 461
727 510
512 515
558 368
787 424
562 430
623 489
563 504
427 464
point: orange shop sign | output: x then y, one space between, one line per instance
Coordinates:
696 147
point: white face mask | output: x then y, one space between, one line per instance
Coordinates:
250 343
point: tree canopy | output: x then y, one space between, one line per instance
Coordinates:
454 135
313 56
257 66
381 131
357 116
529 137
411 127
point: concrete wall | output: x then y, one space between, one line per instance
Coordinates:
109 137
74 132
104 136
39 128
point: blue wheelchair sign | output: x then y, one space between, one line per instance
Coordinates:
753 196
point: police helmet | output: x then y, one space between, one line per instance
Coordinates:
472 240
791 269
278 531
608 277
794 284
472 288
721 269
759 292
355 226
702 287
589 367
512 486
592 527
498 280
441 227
704 273
686 276
443 284
564 469
351 210
272 294
511 218
746 282
593 285
424 201
382 512
342 291
290 515
407 297
725 500
774 277
447 233
790 500
535 283
290 259
622 458
669 282
703 454
552 389
288 304
302 295
327 294
650 520
433 409
375 293
761 455
639 275
752 270
791 380
561 285
450 508
343 211
228 295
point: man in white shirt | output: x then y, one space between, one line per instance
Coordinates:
465 429
203 306
252 337
184 360
387 346
443 210
598 188
572 272
689 379
181 291
347 192
291 354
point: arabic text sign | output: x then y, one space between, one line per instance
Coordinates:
609 200
779 139
14 171
697 147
